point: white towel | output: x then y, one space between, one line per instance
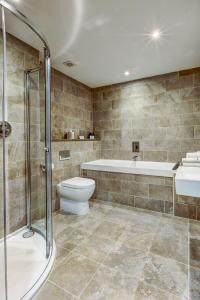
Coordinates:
191 160
193 154
191 164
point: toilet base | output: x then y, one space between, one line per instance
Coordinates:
74 207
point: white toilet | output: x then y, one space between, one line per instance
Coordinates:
75 193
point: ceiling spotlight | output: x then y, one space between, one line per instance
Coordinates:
69 63
126 73
155 34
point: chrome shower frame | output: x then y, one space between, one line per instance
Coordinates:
47 148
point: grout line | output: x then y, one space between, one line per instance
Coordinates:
63 289
152 254
89 281
100 265
162 290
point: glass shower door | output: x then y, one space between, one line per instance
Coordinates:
35 110
27 156
38 166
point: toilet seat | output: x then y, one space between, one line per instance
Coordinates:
78 183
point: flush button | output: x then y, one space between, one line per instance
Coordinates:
64 155
135 147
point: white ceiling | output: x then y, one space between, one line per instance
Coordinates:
108 37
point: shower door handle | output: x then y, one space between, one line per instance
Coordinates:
5 129
43 167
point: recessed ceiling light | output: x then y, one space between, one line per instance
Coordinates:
155 34
70 63
126 73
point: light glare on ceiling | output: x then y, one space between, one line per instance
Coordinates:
126 73
155 34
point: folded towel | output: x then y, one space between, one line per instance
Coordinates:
191 165
191 160
193 154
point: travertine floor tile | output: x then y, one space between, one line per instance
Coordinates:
139 255
139 240
109 230
70 237
74 274
168 275
89 224
96 247
100 209
168 246
118 215
147 292
61 254
127 260
52 292
174 227
110 285
144 223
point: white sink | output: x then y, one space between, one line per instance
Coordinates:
188 181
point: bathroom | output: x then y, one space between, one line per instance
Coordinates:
100 150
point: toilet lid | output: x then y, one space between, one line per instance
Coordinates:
78 183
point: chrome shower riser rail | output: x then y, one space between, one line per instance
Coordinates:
4 149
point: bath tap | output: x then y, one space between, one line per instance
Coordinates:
135 157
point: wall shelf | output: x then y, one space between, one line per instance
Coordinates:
76 140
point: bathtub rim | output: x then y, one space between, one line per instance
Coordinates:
147 171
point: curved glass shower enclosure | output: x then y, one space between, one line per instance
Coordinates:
26 245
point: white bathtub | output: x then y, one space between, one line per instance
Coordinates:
131 167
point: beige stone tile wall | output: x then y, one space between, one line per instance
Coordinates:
162 113
72 107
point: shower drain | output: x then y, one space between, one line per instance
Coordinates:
28 234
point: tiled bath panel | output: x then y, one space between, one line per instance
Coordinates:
117 252
148 192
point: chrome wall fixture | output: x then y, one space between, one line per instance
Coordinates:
5 129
